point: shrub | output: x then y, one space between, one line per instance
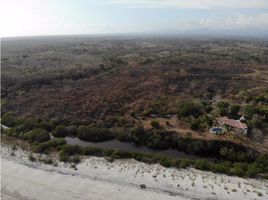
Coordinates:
167 162
138 135
223 104
219 168
249 111
26 124
10 132
122 136
71 149
234 109
120 154
157 139
37 135
253 170
94 151
46 125
8 119
184 164
31 158
75 159
187 109
223 108
195 124
59 131
238 169
201 164
71 130
45 147
121 121
155 124
63 156
132 113
95 134
208 109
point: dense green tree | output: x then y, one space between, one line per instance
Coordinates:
223 108
187 109
59 131
138 135
250 110
234 109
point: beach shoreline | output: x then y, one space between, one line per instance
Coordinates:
97 178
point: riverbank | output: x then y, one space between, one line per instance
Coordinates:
96 178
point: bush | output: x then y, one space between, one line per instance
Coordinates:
59 131
253 170
138 135
201 164
49 126
223 104
223 108
8 119
71 149
249 111
184 164
157 140
122 136
37 135
187 109
155 124
234 109
208 109
63 156
75 159
26 124
45 147
95 134
120 154
121 121
237 170
10 132
94 151
71 130
195 124
31 158
167 162
219 168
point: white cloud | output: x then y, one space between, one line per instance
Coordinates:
193 4
244 21
205 23
235 22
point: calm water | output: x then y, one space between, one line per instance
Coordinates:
129 147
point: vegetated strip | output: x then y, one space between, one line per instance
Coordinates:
235 163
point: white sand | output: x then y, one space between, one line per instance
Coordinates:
98 179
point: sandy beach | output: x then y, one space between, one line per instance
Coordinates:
98 179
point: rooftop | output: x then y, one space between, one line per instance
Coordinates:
232 122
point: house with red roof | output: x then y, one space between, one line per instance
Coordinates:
233 125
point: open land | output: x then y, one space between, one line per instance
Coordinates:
162 93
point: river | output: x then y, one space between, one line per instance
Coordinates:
130 147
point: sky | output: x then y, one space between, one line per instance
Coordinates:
68 17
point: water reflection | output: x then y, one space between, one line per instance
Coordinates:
130 147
